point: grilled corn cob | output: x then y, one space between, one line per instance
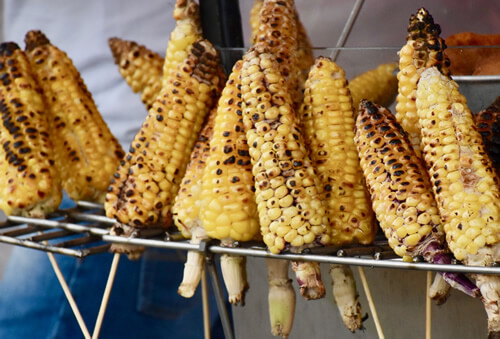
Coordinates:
187 30
140 67
288 191
378 85
278 32
186 208
254 20
488 125
281 297
143 189
328 122
464 182
424 48
228 211
327 117
30 180
86 151
401 192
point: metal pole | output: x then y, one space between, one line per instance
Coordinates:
219 298
347 28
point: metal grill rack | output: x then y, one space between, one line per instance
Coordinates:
84 230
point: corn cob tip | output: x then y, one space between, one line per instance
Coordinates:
35 38
7 48
421 18
185 9
118 48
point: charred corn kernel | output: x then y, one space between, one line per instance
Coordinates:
186 208
30 182
385 149
423 49
86 151
488 124
228 175
186 32
327 126
378 85
278 32
260 71
161 149
438 97
141 68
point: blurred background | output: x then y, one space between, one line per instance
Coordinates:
398 295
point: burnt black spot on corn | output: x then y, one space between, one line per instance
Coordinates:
300 218
423 49
327 116
488 125
156 173
408 213
141 68
29 182
228 209
85 146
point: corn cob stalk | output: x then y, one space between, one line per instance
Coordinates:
439 290
401 192
328 121
378 85
143 189
281 297
185 210
86 151
141 68
346 296
464 182
187 30
228 211
30 180
278 32
488 124
424 48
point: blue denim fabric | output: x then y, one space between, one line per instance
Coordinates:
143 304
